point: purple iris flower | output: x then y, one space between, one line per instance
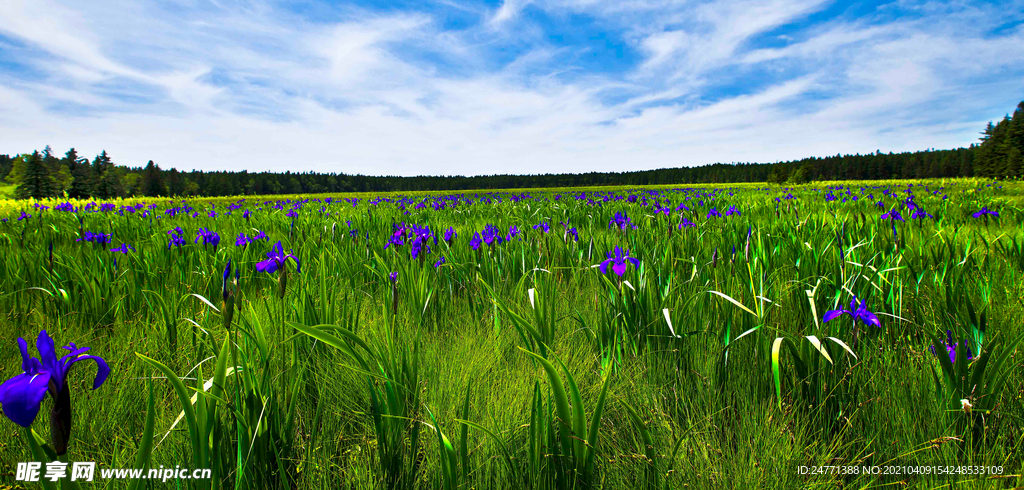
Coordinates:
97 238
398 237
686 223
176 241
124 248
475 242
893 215
208 237
439 262
543 225
224 281
393 277
951 348
920 213
618 262
242 240
449 234
276 259
713 213
731 211
22 395
513 231
417 247
24 215
858 312
490 234
420 236
621 221
985 210
246 214
177 238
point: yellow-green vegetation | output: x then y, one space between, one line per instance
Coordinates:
705 337
6 192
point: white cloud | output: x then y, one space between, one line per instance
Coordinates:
218 86
508 11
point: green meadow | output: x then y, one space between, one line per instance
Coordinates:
657 338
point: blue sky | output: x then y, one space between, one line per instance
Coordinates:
518 86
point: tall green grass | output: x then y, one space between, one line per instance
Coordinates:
521 365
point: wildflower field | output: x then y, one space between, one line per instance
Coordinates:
702 337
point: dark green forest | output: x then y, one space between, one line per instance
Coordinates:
40 174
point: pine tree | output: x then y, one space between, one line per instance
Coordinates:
175 184
80 175
111 184
778 175
36 181
6 162
103 186
1000 148
983 153
152 181
965 162
81 182
1015 143
70 160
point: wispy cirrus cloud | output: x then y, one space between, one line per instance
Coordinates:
519 86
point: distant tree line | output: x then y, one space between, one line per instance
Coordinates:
999 154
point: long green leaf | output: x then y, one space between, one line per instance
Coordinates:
776 347
40 453
561 401
183 398
817 346
579 418
145 451
595 423
733 301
